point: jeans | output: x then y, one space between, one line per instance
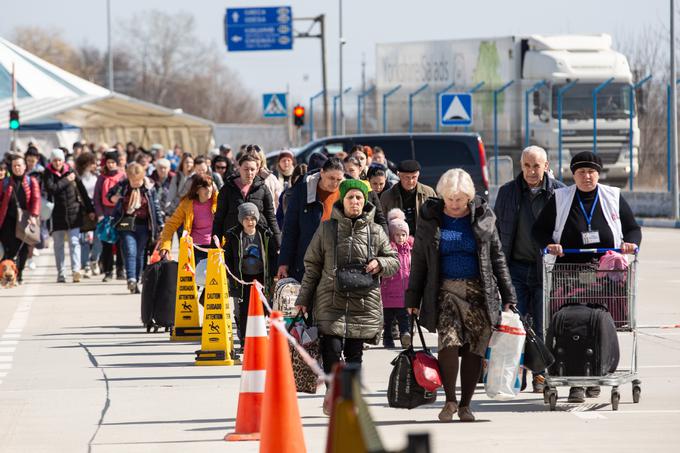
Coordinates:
134 250
89 252
390 314
59 237
333 348
529 289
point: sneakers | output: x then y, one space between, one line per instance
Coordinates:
31 265
538 383
328 402
86 272
450 408
107 277
405 340
592 392
120 274
577 395
94 267
76 277
132 287
61 279
465 414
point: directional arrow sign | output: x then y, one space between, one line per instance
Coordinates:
248 29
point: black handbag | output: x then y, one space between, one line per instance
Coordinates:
352 277
537 356
126 223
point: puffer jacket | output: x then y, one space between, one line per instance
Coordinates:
148 190
393 288
31 190
70 199
233 257
354 314
425 279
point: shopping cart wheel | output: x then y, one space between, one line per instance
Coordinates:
552 400
546 394
616 397
637 389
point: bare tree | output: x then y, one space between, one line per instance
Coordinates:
47 44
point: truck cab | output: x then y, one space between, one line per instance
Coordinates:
590 61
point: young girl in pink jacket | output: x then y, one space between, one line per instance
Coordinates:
393 289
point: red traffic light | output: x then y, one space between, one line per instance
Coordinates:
299 111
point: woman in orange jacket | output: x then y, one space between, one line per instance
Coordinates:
196 211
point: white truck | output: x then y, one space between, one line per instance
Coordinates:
488 64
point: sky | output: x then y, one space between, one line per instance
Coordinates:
365 23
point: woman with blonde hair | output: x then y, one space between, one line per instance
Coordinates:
458 271
137 218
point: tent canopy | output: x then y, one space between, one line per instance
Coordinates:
45 90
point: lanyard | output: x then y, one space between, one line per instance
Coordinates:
589 218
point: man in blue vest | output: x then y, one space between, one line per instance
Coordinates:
518 204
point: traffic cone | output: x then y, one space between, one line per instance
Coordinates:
253 373
281 430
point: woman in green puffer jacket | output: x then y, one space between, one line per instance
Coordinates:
346 319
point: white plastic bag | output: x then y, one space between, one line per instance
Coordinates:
201 272
504 357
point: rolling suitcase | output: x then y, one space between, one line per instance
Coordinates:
584 342
159 285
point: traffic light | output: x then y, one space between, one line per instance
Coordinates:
299 115
14 119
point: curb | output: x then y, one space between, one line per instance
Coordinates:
658 223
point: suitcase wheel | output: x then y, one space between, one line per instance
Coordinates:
616 397
552 399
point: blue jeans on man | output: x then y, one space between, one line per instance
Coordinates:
134 250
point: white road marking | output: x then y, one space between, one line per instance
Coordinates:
11 335
5 366
660 366
588 415
6 358
7 350
8 342
13 330
3 373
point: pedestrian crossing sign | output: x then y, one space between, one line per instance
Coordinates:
455 109
274 105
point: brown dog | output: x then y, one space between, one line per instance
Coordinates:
8 274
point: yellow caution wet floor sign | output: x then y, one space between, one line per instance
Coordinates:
216 341
187 322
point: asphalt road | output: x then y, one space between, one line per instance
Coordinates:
79 373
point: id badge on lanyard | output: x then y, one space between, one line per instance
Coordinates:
591 236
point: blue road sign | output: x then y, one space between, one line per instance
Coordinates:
455 109
249 29
274 105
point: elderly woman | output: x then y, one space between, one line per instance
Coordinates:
586 215
137 218
346 317
458 271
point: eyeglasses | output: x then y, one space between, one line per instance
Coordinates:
220 167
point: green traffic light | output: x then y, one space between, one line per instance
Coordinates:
14 124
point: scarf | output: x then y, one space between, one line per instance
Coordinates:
135 201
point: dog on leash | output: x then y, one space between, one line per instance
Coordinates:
8 274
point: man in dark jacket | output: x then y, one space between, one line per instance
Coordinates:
518 204
71 202
409 195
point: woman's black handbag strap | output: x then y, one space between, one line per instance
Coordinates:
414 321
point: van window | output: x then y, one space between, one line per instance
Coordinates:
332 147
396 149
443 153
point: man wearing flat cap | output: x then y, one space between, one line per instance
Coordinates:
409 195
586 215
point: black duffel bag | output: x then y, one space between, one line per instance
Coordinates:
537 356
403 391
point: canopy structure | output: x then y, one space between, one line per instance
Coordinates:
47 92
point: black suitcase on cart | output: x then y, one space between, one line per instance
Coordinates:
159 286
583 340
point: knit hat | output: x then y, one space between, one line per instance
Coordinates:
286 153
248 209
398 225
408 166
349 184
111 154
57 154
395 214
586 159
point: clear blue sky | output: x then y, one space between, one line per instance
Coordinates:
366 22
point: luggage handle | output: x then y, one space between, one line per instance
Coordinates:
414 319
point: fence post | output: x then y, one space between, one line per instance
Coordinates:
410 106
495 127
473 90
335 108
311 114
437 102
631 112
536 87
360 98
596 91
384 103
560 95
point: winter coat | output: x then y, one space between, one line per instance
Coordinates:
393 289
183 215
507 208
31 188
302 218
273 184
105 181
233 257
148 190
391 198
229 199
70 199
353 314
425 279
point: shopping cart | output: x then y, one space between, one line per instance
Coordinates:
585 283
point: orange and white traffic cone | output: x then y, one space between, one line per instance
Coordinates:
281 429
253 373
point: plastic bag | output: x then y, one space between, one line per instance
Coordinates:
504 357
201 271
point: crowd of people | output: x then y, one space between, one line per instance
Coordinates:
370 244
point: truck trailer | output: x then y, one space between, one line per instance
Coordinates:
538 67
